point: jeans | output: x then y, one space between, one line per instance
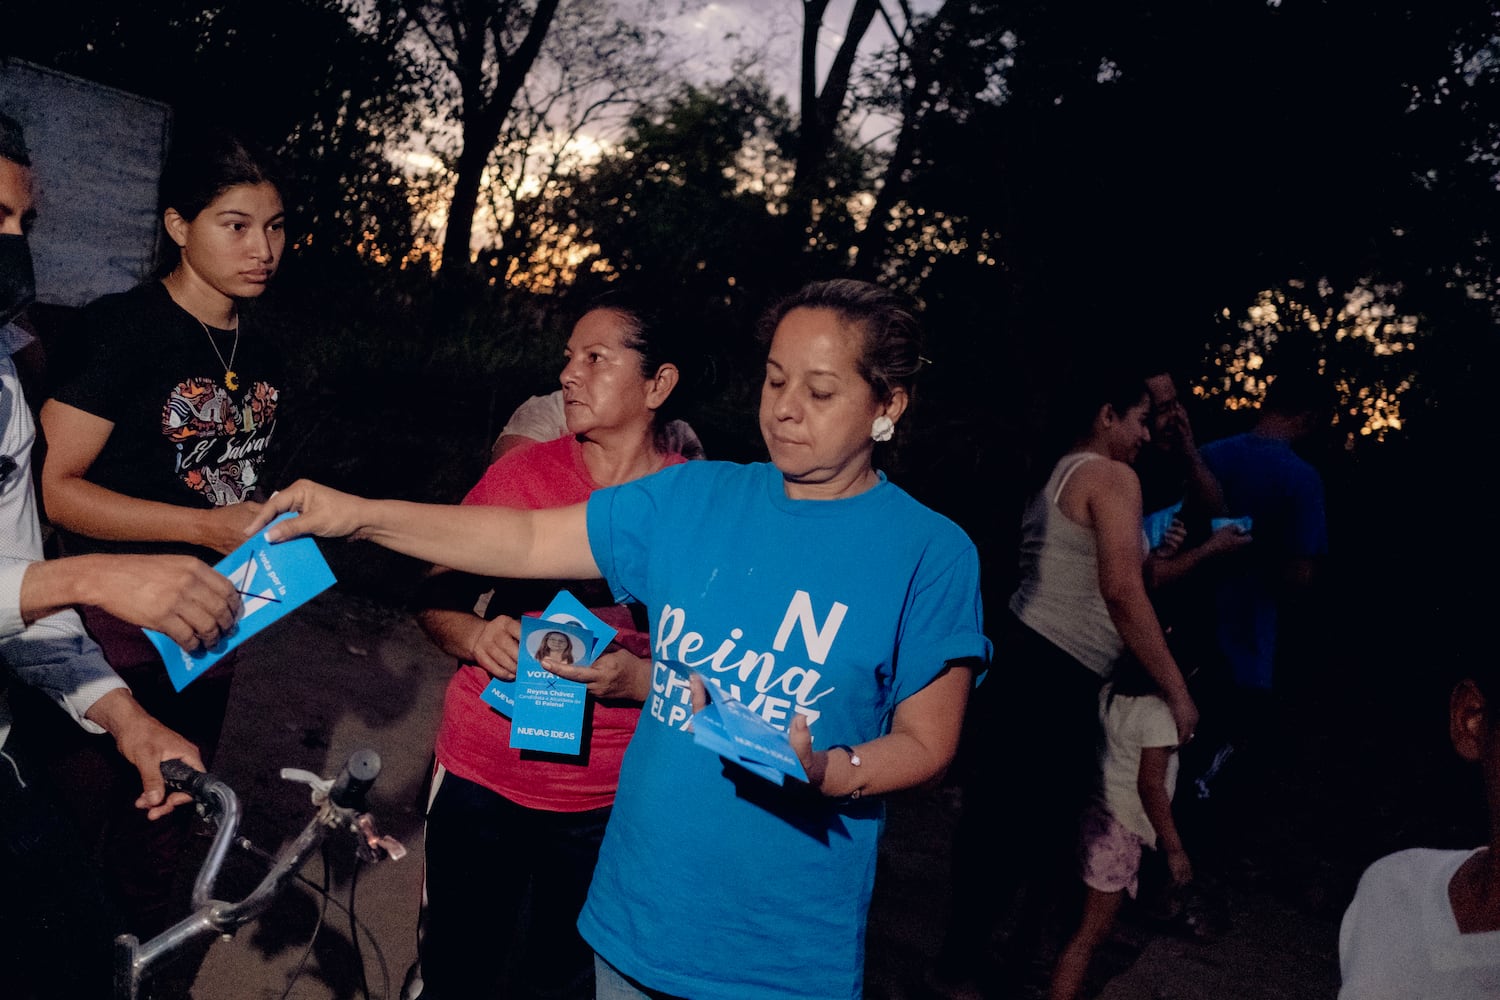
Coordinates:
611 984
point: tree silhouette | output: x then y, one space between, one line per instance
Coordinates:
822 110
487 48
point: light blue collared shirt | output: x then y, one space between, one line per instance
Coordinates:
53 654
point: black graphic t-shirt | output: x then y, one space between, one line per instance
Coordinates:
181 435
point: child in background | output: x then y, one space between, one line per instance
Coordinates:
1134 809
1426 923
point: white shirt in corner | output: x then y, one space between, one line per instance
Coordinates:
1400 941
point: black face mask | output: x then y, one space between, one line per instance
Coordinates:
17 279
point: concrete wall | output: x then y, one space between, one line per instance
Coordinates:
97 155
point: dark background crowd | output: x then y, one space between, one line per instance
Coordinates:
1234 191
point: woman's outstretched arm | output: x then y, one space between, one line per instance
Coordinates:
548 544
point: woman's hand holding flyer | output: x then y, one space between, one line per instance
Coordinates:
546 710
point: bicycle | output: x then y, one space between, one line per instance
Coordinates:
340 806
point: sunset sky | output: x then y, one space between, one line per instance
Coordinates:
712 34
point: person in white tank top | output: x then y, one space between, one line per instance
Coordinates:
1080 606
1091 506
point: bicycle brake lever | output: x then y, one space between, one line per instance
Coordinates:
372 844
320 786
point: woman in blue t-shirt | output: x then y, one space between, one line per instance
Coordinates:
821 597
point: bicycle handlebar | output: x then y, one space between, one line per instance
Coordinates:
215 800
354 781
345 799
182 776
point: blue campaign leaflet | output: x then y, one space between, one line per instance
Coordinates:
273 581
500 695
567 609
570 610
1156 524
710 733
733 731
548 712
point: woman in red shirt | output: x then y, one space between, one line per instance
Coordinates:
514 834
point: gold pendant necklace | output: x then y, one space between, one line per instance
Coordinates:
231 379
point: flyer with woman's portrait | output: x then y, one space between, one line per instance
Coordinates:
547 711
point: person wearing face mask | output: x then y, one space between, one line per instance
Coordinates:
56 922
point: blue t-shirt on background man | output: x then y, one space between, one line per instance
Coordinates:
1263 477
713 883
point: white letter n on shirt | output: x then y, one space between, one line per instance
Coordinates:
818 641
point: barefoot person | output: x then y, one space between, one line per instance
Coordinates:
1132 811
811 589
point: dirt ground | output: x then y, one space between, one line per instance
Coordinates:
346 673
342 674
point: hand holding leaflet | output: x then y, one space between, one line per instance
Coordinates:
1156 523
273 581
567 609
729 729
546 711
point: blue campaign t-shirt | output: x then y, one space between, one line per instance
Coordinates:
713 883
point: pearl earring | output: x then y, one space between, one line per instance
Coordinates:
883 428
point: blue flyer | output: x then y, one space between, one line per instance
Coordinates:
548 712
501 695
570 610
273 581
710 733
733 731
1156 524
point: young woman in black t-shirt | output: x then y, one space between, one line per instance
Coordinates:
156 434
163 413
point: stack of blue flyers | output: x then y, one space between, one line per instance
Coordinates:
737 734
546 711
1156 524
273 581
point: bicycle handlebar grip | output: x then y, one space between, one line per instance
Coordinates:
182 777
355 779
